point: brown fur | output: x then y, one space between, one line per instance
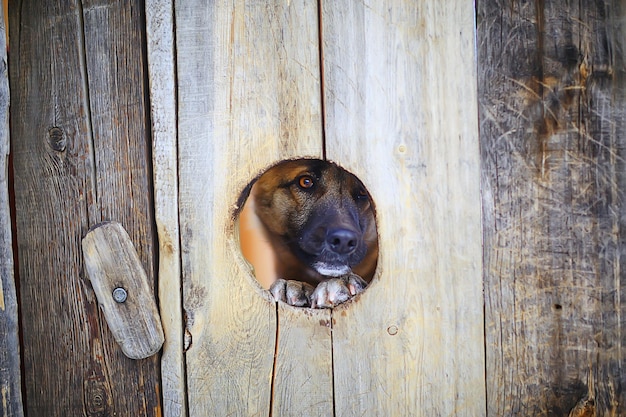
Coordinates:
300 223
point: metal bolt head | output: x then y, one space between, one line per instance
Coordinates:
120 295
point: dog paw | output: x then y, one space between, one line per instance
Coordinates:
294 293
335 291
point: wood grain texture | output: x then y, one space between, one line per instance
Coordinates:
81 156
10 372
249 95
400 100
116 81
112 264
303 382
552 119
162 82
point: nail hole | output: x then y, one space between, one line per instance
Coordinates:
392 330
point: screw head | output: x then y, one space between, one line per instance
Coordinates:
120 295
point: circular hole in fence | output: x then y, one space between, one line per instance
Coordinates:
308 228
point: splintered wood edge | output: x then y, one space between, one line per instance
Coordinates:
111 262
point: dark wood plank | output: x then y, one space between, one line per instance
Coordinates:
10 387
116 68
552 92
81 156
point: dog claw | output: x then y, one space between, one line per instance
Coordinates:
335 291
327 294
294 293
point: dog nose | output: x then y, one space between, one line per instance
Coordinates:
342 241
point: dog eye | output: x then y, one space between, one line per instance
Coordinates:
362 194
306 182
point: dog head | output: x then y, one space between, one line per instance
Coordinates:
318 217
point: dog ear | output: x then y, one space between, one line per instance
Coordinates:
243 197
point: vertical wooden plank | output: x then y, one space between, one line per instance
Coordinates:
552 116
303 383
116 81
249 95
162 77
401 114
52 191
10 372
81 156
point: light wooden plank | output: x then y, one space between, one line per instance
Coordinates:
249 95
122 289
162 83
303 376
552 112
401 114
10 372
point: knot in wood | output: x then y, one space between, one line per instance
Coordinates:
97 398
56 139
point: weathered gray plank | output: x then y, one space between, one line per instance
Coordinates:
249 95
401 114
116 81
552 117
10 378
80 151
52 175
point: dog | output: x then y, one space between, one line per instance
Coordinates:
315 224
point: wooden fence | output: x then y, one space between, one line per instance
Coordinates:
490 136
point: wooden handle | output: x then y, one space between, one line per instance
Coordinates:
122 289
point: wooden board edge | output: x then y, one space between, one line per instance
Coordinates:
162 90
10 373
